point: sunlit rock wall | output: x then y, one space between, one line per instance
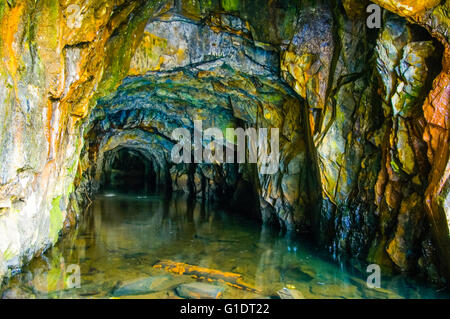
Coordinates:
55 59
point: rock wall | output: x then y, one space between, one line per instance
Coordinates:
52 68
363 115
366 91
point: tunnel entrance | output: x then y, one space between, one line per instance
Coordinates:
128 171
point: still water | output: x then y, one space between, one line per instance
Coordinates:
121 237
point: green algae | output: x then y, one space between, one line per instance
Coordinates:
56 219
230 5
121 50
395 167
8 254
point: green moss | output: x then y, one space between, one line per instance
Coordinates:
377 254
70 189
121 49
395 167
230 5
56 219
288 23
2 9
8 254
71 169
48 32
192 7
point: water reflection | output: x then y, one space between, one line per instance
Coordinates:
121 237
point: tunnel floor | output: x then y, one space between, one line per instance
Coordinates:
121 237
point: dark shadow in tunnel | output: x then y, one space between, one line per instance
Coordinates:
128 171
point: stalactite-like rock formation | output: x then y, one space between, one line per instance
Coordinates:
362 113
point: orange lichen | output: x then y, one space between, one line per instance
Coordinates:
10 24
408 8
436 134
231 279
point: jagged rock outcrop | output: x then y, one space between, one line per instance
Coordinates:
433 16
372 143
307 62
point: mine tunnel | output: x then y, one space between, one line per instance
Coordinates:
355 116
128 171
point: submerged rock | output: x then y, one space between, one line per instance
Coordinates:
145 286
296 273
17 293
336 291
287 293
199 290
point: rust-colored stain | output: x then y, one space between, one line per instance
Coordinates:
208 274
10 25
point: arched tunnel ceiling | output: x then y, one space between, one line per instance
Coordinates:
185 71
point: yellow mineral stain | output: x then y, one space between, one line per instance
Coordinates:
231 279
10 25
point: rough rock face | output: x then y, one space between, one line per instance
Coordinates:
363 115
51 68
408 8
307 61
371 135
433 15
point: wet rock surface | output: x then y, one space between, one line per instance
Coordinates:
287 293
198 290
49 75
143 286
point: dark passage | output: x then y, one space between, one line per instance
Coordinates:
128 171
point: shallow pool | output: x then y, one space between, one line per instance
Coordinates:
121 237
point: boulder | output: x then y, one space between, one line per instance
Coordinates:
199 290
287 293
144 286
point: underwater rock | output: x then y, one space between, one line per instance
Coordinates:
144 286
203 273
335 290
295 272
198 290
287 293
17 293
